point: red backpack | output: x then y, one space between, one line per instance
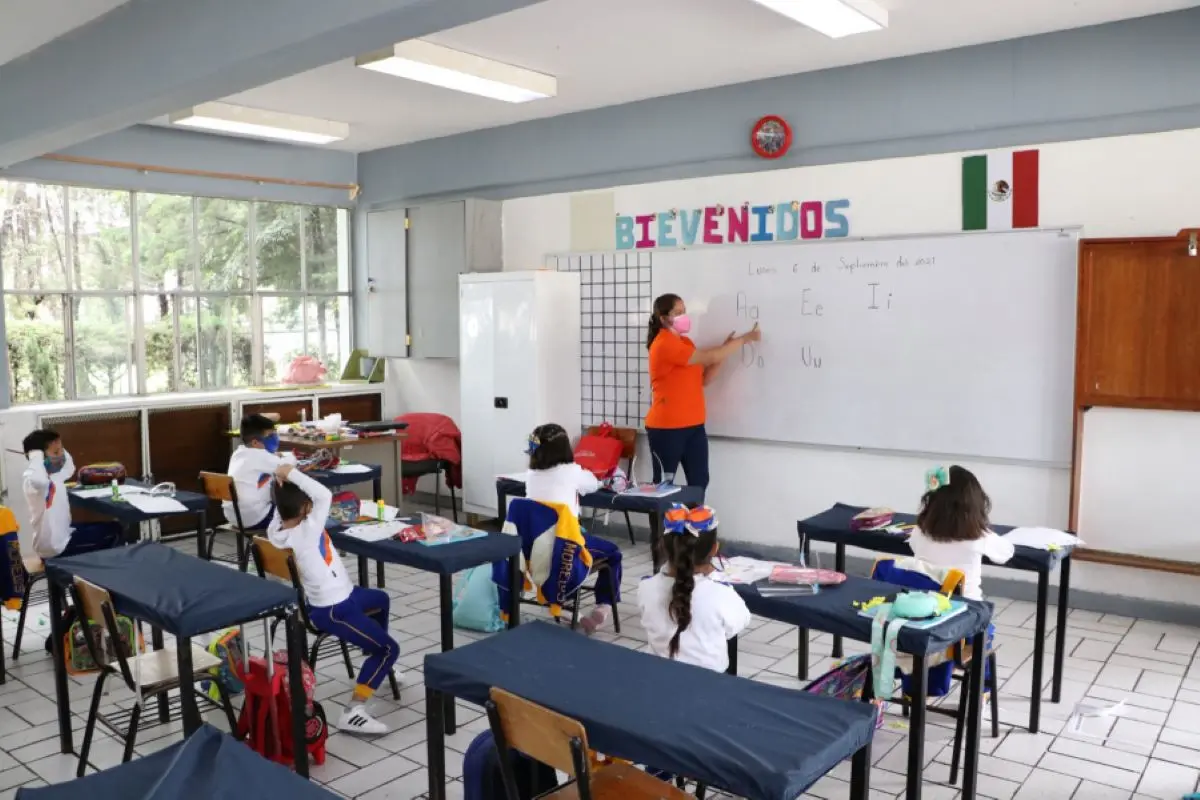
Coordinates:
266 719
600 452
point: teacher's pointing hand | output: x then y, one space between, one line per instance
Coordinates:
752 335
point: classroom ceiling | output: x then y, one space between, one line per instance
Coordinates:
26 25
619 51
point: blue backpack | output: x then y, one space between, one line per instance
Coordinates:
481 772
477 601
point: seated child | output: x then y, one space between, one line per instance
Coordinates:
687 615
252 467
354 614
554 477
50 467
952 527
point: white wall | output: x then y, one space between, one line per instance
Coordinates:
1139 467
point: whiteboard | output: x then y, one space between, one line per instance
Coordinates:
958 345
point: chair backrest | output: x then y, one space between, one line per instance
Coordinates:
628 437
539 733
96 615
221 488
889 571
278 562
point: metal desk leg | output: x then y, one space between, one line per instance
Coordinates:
377 488
515 584
501 506
187 686
61 693
435 743
379 574
802 654
201 532
1039 650
446 593
974 714
295 647
916 733
839 564
1060 635
156 641
731 648
656 523
860 774
364 574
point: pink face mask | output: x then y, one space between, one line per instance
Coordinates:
682 324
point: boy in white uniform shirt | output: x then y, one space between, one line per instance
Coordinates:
355 614
252 467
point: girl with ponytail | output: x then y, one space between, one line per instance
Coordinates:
687 615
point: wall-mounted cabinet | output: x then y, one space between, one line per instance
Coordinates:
414 258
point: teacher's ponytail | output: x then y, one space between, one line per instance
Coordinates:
664 304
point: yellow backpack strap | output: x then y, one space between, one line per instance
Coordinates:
953 582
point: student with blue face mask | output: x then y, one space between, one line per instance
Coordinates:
252 467
44 483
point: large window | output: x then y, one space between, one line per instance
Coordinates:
116 293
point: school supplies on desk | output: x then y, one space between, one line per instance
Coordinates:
904 529
872 519
793 575
369 509
740 570
651 490
433 531
1041 538
155 504
377 531
956 607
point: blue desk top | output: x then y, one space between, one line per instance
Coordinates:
688 495
831 610
337 480
181 594
833 525
129 514
753 739
445 559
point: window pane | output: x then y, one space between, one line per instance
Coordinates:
277 235
327 270
165 241
33 236
328 325
224 244
103 346
102 239
283 335
225 342
37 347
159 332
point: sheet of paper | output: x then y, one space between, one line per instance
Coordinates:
519 477
106 491
154 504
352 469
1042 538
741 569
370 509
376 532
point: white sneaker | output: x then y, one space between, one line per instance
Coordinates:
356 721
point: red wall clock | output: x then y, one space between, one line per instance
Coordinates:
771 137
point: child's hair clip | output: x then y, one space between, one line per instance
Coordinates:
936 478
680 519
532 444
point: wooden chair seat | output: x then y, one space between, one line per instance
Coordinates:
158 669
622 782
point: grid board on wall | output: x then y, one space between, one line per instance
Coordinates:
614 299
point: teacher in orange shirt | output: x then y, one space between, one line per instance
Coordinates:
678 373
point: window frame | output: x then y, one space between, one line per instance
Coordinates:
70 295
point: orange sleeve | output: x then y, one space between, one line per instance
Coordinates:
671 351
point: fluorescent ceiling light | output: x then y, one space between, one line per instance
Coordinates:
834 18
463 72
225 118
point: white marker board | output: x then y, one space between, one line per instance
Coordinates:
958 345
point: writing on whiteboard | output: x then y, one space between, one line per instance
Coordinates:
744 224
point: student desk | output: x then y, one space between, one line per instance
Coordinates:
832 610
833 526
396 438
130 516
183 596
333 480
652 507
752 739
443 560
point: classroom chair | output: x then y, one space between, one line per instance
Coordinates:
35 573
521 515
221 488
278 563
561 742
438 467
628 437
148 675
959 656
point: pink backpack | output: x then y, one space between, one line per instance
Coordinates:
305 370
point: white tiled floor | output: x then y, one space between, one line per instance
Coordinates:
1153 750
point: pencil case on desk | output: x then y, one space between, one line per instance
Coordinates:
872 518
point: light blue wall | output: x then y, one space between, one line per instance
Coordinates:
1136 76
143 144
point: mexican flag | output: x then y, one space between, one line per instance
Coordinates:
1000 191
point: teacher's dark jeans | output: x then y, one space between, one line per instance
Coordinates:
673 448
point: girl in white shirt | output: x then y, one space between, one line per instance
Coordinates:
952 527
554 477
687 615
